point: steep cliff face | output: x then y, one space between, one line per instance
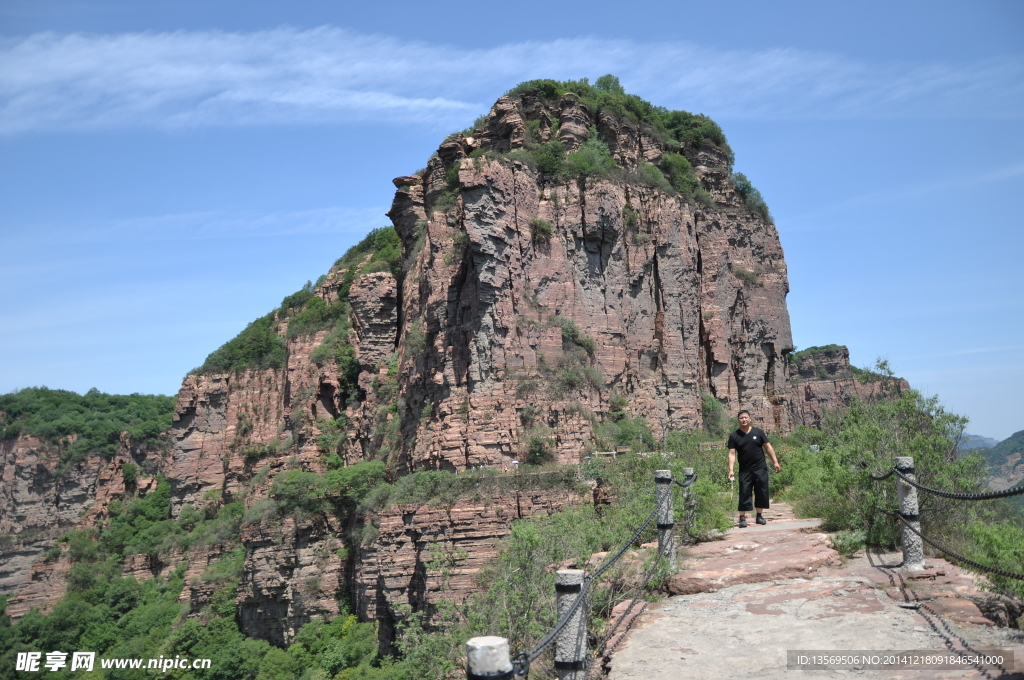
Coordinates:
680 298
822 378
527 303
39 502
424 551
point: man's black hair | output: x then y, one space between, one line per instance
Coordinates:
742 412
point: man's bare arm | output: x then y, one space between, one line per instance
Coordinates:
732 462
771 452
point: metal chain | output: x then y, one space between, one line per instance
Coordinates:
639 590
955 555
887 475
1015 491
687 482
524 659
636 598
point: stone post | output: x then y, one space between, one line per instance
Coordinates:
913 547
690 503
488 657
666 516
571 644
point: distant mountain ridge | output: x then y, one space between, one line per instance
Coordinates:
970 442
1005 461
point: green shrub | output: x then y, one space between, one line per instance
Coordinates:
694 130
540 230
572 335
538 450
298 490
606 96
526 385
549 157
746 276
999 544
295 301
574 376
716 421
460 243
351 484
617 405
257 347
256 452
848 542
703 197
444 488
751 196
609 83
130 473
416 339
680 173
650 176
332 434
336 347
317 315
263 510
591 160
631 218
528 415
633 432
384 248
835 483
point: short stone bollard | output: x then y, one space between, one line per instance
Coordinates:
690 503
913 547
666 516
487 658
571 644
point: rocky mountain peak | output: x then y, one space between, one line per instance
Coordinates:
579 270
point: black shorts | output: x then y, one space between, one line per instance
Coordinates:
756 480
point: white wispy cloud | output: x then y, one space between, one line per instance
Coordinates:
331 75
201 225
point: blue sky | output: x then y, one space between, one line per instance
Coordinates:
170 170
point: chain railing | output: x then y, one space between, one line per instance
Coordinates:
488 657
909 517
1005 493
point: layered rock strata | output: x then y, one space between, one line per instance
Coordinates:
680 299
495 337
39 502
824 379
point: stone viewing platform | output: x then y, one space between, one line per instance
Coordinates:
740 603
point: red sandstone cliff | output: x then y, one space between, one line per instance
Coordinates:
681 299
822 378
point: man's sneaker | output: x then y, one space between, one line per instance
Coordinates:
761 520
743 522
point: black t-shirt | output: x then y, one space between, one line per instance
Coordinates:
749 451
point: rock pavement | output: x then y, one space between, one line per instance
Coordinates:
746 600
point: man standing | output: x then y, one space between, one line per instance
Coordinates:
749 444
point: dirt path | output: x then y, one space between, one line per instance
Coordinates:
741 603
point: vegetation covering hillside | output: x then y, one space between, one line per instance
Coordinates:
835 482
120 617
682 133
261 345
78 425
974 441
998 454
